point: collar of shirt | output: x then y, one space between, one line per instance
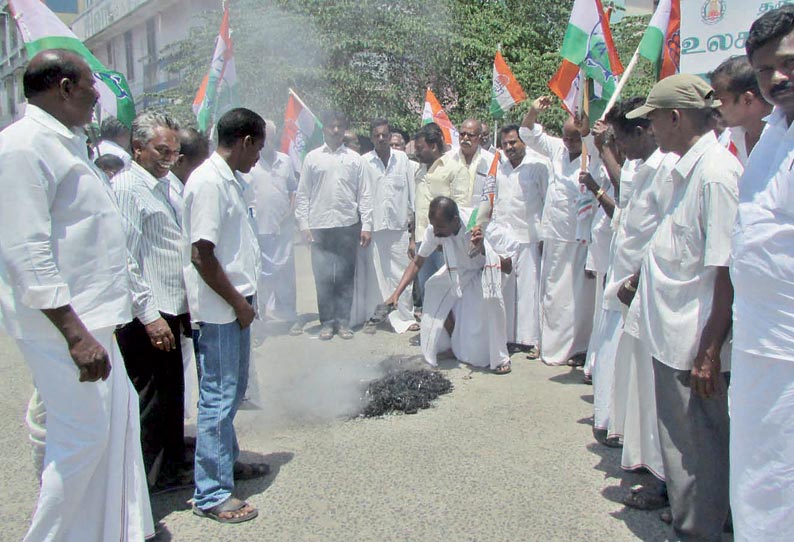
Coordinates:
690 159
151 181
48 121
174 183
441 162
342 149
529 158
777 120
225 171
270 165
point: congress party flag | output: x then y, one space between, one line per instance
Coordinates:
302 132
218 91
481 214
41 29
588 45
433 112
505 90
661 43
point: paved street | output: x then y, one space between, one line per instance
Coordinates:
500 458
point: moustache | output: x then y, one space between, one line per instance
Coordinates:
783 86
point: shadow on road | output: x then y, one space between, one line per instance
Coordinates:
574 376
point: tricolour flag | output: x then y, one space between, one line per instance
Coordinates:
41 29
302 131
588 45
433 112
218 91
661 43
481 214
505 90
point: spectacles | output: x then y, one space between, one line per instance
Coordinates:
469 135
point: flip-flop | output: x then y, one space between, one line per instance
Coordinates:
249 471
646 499
503 369
231 504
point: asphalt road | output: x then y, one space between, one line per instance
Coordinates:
500 458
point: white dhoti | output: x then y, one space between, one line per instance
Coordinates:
567 301
633 411
605 345
36 421
276 292
522 296
597 315
762 448
480 334
93 486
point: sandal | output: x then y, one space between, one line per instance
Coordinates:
414 327
503 369
646 498
326 333
228 507
249 471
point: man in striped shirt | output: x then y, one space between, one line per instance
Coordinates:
150 346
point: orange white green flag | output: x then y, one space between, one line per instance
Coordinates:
482 213
505 90
41 29
302 132
661 43
588 45
433 112
218 91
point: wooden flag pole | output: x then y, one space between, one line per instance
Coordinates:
623 80
586 110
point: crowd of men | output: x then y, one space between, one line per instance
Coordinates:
653 249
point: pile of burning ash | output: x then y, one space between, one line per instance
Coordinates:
406 388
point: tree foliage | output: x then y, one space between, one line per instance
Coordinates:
375 58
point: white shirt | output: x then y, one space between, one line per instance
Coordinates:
215 211
154 235
560 209
478 170
763 246
445 177
649 191
111 147
455 248
677 276
176 191
272 184
330 192
520 194
392 188
62 240
733 139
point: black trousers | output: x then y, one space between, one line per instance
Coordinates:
334 265
158 378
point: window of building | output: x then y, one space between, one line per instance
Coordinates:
109 51
130 57
151 40
10 95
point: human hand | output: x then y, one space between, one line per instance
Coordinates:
307 236
506 264
412 250
477 241
586 179
602 135
542 103
625 295
90 358
366 237
705 376
245 314
160 335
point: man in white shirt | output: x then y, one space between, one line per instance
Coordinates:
683 306
272 198
389 175
151 344
567 292
476 159
464 310
221 267
64 287
334 213
114 140
743 109
762 378
521 184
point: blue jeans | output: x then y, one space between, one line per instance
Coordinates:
429 268
224 354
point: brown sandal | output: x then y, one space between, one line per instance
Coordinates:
229 506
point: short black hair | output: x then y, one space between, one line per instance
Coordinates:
331 116
238 124
770 26
739 75
509 128
377 123
616 116
112 128
193 144
432 135
109 161
444 207
403 134
52 67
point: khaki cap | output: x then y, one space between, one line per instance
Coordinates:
680 91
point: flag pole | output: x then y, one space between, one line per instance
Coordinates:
495 131
623 80
297 98
586 111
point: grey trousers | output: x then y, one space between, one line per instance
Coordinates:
693 434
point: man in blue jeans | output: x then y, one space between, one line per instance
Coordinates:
221 263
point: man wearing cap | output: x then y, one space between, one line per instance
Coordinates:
682 307
762 382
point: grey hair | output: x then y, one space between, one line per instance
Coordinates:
146 123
